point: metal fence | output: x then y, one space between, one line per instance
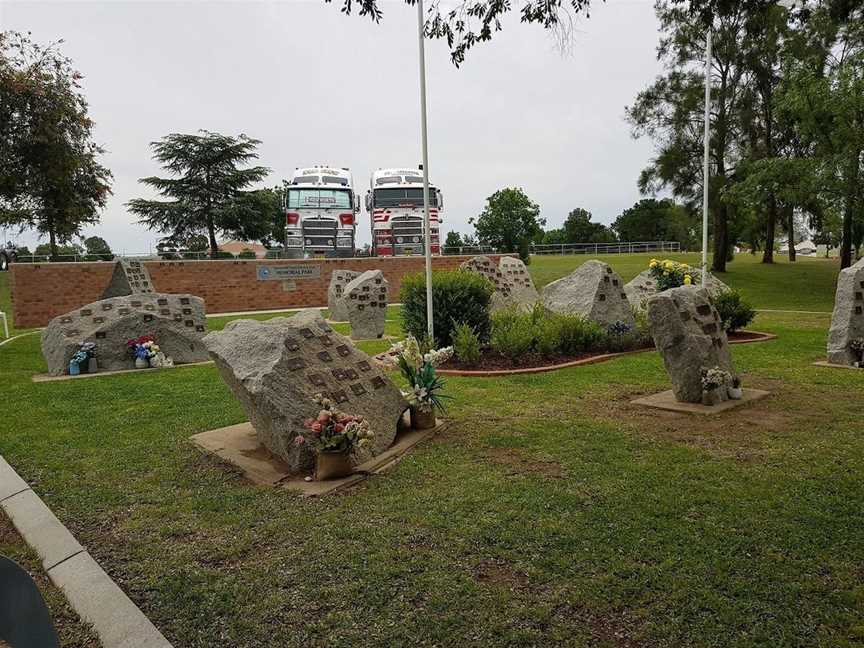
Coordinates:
621 247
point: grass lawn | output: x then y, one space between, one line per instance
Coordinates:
552 512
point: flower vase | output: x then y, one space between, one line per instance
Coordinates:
735 393
74 368
92 366
332 465
710 397
141 363
422 417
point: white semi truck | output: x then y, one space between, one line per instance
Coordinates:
321 212
395 206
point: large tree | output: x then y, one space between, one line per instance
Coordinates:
206 194
658 220
578 228
509 222
50 176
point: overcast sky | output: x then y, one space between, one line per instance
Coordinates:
318 87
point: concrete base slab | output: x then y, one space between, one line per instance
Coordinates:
10 482
825 363
666 401
238 445
97 600
38 378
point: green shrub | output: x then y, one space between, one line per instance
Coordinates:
247 254
735 313
466 344
513 333
578 334
458 297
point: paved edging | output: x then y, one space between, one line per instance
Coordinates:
90 591
20 335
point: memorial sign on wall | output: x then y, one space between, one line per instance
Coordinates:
289 272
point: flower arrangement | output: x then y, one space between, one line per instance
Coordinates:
80 360
619 328
144 347
334 431
671 274
418 368
715 379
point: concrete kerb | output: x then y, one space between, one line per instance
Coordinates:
90 591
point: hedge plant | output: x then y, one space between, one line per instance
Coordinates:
458 296
734 312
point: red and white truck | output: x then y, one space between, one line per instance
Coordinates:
395 206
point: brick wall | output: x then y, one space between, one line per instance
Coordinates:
42 291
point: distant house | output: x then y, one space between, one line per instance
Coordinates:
805 248
236 247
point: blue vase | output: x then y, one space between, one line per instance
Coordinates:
74 368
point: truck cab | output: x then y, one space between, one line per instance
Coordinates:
321 212
395 205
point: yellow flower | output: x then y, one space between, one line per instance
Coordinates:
654 263
669 265
665 273
687 280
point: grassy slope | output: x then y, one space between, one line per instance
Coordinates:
551 513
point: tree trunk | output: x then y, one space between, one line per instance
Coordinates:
770 227
52 239
211 232
789 211
849 211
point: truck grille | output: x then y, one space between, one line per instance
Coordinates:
408 227
319 231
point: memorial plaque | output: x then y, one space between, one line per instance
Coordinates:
291 344
189 323
325 357
364 366
294 364
65 320
343 351
358 389
184 301
101 335
378 382
326 341
339 396
307 333
86 312
317 379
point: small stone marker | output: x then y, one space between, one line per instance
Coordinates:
176 321
595 291
643 286
276 367
847 321
130 278
365 300
689 335
338 280
512 281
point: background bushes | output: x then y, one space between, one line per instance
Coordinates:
734 311
458 297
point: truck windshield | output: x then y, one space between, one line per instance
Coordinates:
319 199
397 197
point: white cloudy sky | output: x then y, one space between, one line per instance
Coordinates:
319 87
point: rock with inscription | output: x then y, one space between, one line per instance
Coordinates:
365 299
689 335
847 322
511 279
643 286
595 291
130 277
177 322
276 367
338 280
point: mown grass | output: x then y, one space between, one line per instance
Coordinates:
552 512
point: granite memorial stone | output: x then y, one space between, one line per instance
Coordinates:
176 321
847 321
338 280
511 279
276 367
594 291
130 278
689 335
365 299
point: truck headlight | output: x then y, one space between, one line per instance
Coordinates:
399 239
308 241
416 239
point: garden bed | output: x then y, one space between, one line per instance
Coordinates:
492 364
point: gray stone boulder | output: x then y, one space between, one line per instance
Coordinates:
365 299
512 281
643 286
594 291
276 367
129 278
338 280
847 321
177 322
689 335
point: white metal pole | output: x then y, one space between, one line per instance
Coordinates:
705 170
427 230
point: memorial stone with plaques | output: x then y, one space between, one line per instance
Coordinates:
511 279
130 278
847 321
689 335
177 322
275 368
338 280
594 291
365 299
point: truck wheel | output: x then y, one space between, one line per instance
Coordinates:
4 262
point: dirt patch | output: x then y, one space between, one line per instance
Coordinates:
611 629
515 463
499 574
